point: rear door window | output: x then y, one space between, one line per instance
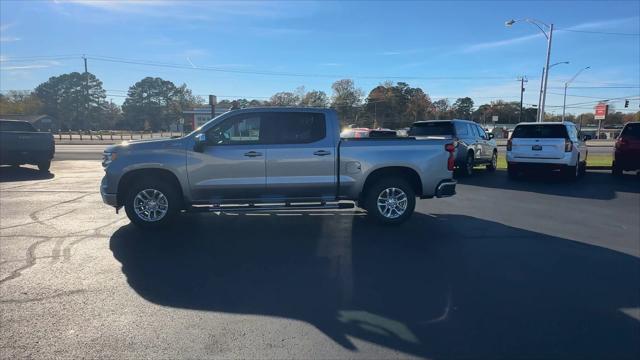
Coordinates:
481 133
631 131
541 131
295 128
16 126
432 128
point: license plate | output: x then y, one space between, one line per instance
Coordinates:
536 147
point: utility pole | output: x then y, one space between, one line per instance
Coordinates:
540 96
86 89
523 79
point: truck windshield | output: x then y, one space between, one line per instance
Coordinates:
16 126
540 132
435 128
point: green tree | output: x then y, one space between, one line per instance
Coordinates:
315 98
442 109
346 98
20 102
154 103
284 98
75 100
463 107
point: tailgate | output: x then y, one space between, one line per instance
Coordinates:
15 141
537 148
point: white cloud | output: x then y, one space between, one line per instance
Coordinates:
401 52
518 40
9 38
39 65
499 43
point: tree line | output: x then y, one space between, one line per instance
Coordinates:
78 101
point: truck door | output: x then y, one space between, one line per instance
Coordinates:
300 156
232 164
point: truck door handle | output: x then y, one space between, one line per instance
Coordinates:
322 153
252 154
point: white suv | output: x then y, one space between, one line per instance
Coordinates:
551 146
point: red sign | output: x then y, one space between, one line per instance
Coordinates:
601 111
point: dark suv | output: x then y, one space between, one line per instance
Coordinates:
474 146
627 152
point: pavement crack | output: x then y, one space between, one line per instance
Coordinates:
58 295
30 261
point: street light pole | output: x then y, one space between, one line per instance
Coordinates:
546 73
566 85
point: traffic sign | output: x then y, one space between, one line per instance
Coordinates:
601 111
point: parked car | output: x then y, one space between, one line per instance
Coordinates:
274 159
21 143
547 146
474 146
626 156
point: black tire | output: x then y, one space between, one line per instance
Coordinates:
44 166
616 170
467 167
493 165
572 173
169 192
375 191
512 172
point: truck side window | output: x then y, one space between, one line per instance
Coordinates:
296 128
242 129
462 130
481 133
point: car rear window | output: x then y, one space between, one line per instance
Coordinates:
540 132
435 128
631 131
16 126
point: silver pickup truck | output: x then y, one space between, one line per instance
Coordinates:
272 159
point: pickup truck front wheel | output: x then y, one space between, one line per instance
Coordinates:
151 204
390 201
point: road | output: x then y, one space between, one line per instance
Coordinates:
94 152
528 269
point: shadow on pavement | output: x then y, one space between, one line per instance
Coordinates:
599 185
440 286
15 173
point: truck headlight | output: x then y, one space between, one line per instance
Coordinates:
107 158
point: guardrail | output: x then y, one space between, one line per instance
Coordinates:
112 135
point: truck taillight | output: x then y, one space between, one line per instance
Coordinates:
509 145
620 143
450 148
568 145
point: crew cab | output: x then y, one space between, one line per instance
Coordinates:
547 146
272 159
626 156
21 143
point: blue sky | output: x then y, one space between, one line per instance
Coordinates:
449 49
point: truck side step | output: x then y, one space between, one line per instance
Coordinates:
272 207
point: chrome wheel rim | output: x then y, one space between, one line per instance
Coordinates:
392 203
150 205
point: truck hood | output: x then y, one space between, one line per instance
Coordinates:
135 145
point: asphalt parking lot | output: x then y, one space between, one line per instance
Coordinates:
528 269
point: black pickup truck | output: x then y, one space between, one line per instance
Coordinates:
21 143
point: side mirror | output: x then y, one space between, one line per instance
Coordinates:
201 141
587 138
491 136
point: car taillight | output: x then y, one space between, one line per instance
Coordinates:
509 146
568 145
450 148
620 143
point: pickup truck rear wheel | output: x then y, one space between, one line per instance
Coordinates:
44 166
151 204
493 165
390 201
467 168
